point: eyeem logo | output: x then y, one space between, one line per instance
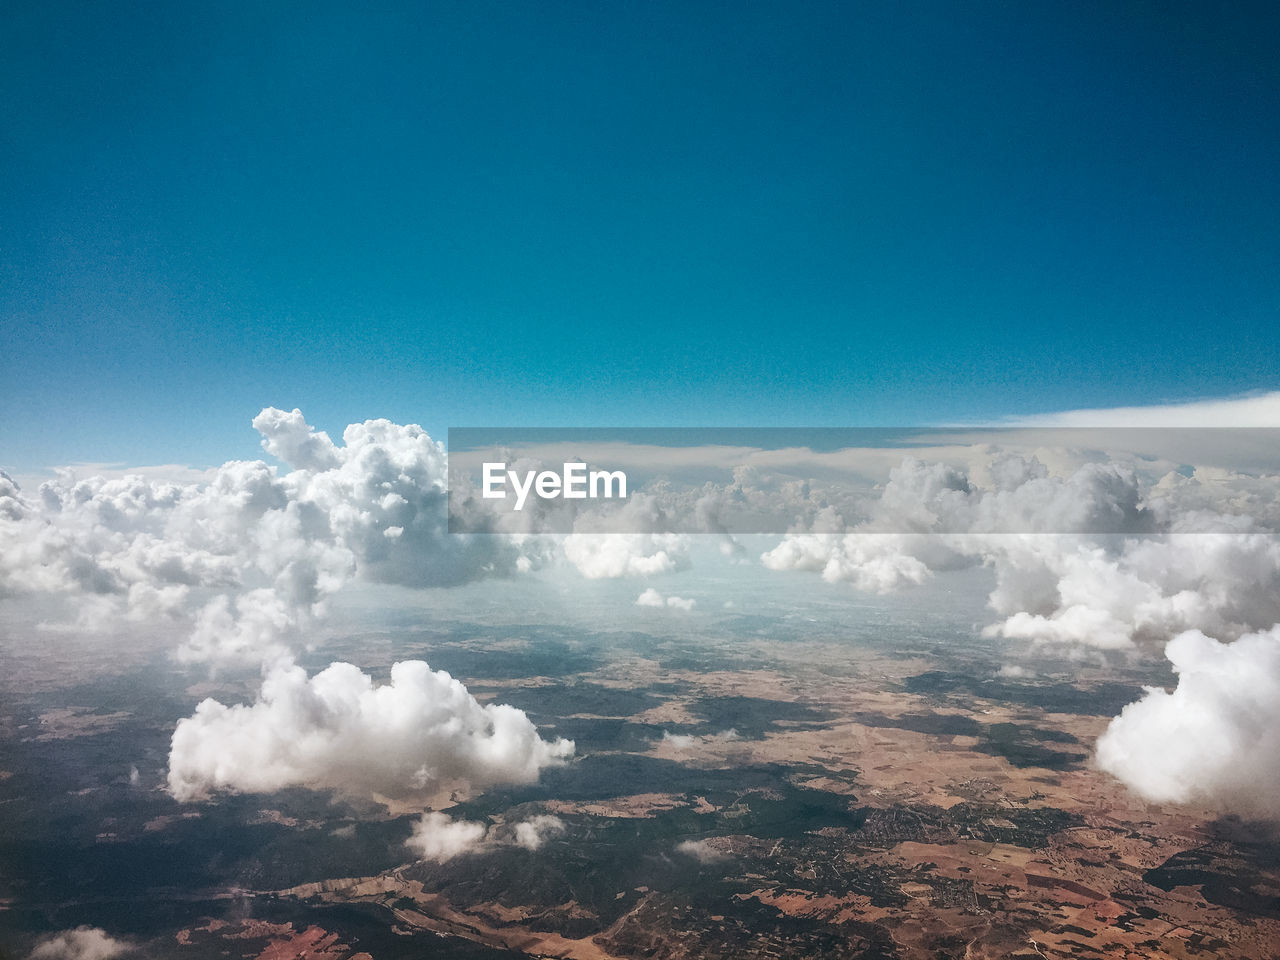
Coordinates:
575 482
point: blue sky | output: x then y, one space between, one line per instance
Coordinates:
625 213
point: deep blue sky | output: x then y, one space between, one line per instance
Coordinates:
625 213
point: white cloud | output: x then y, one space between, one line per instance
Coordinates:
288 438
685 741
439 838
339 731
1215 738
1113 556
1084 572
701 850
599 552
873 562
82 943
652 598
244 555
600 556
533 833
436 837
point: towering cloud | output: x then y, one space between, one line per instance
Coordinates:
249 557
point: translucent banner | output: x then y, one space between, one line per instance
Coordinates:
954 481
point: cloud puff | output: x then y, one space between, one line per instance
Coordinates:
1216 737
648 549
439 838
600 556
339 731
701 850
533 833
652 598
875 563
82 943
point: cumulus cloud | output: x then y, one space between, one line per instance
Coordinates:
438 837
246 555
652 598
1107 558
1111 553
598 552
340 731
533 833
876 563
1112 557
600 556
289 438
1216 737
82 943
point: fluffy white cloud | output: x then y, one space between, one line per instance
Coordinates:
1106 559
610 555
82 943
290 439
339 731
1109 558
534 832
599 552
245 555
874 562
1216 737
439 838
652 598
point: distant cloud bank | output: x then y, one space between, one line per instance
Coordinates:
1111 551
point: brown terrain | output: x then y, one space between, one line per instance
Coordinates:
958 850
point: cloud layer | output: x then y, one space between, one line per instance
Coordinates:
1119 553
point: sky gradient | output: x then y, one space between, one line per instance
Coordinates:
647 214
